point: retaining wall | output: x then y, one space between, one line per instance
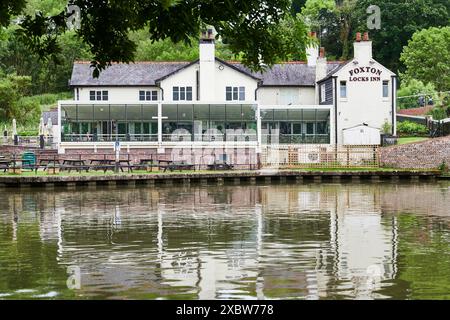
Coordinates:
421 155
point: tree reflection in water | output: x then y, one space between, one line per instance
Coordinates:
311 241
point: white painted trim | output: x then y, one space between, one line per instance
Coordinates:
296 107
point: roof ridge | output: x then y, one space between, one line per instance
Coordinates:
135 62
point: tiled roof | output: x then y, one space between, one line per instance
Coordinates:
147 73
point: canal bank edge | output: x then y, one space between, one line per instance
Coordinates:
219 177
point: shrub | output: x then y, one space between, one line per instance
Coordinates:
438 113
411 89
408 128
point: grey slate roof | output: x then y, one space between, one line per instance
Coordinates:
122 74
289 74
147 73
53 114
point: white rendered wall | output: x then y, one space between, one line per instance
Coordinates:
280 95
364 102
184 78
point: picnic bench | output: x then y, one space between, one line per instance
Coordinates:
106 164
4 164
74 164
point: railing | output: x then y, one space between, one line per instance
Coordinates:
27 141
108 137
271 139
209 137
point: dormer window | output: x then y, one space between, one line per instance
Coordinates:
182 93
235 93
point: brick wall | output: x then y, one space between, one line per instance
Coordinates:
422 155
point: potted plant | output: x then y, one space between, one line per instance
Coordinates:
386 134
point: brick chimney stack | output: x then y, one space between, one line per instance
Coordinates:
366 36
322 52
312 51
363 48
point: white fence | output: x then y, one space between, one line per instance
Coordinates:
320 156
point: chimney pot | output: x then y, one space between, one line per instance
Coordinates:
358 37
322 52
366 36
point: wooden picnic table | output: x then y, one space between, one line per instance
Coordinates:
45 162
4 164
76 164
110 164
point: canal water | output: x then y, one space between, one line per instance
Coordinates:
282 241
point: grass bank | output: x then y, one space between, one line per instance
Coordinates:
407 140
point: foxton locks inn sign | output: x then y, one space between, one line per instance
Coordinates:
362 74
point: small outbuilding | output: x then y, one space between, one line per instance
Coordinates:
361 135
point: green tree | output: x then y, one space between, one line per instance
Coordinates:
46 75
427 57
410 91
13 88
400 19
251 28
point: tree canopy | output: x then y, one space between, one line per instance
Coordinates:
427 57
250 28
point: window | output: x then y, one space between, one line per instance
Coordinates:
151 95
385 88
322 93
229 93
182 93
189 93
343 89
242 93
98 95
309 128
235 93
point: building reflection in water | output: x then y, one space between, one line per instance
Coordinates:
284 241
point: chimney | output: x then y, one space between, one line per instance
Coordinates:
312 51
366 36
363 48
321 70
207 66
322 52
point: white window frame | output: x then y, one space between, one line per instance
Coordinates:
323 93
98 95
148 95
385 84
237 93
343 86
183 93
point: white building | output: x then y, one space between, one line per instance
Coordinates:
210 103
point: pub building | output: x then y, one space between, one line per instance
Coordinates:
155 107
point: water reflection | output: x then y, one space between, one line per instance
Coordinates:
257 242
